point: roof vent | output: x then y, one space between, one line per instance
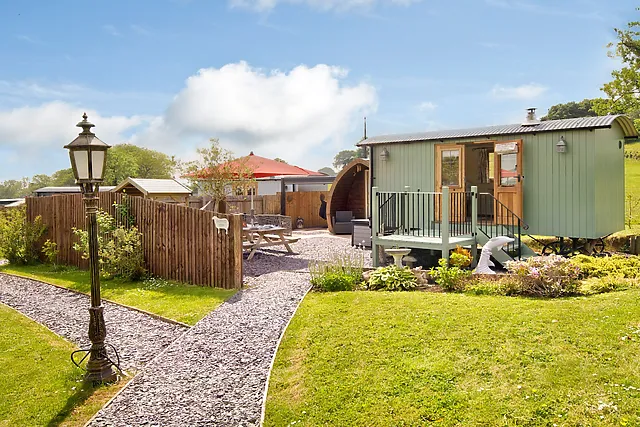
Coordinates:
531 118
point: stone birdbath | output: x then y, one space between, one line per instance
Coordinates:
397 254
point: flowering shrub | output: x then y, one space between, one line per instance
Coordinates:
548 276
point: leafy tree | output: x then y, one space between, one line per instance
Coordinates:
127 160
63 178
624 90
278 159
216 171
120 166
345 157
327 171
12 188
571 110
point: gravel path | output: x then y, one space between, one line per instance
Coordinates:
137 336
215 374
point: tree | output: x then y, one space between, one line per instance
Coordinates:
120 166
216 171
623 91
127 160
571 110
63 178
345 157
278 159
12 188
327 171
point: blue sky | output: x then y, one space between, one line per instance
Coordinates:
286 78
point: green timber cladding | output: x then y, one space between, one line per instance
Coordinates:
579 193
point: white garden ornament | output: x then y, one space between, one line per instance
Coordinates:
485 262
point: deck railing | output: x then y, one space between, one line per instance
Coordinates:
423 214
498 220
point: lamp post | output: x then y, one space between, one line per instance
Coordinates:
88 156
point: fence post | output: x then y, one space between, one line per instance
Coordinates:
374 226
445 223
236 241
474 224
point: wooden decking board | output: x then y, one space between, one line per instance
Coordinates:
422 242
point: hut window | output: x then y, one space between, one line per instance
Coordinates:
451 167
508 170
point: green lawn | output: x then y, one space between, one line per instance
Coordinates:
632 177
420 359
40 386
184 303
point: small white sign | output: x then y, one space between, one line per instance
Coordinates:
221 223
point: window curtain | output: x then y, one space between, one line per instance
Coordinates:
483 165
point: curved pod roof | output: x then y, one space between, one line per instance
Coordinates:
343 186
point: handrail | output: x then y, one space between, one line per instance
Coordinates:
510 224
525 226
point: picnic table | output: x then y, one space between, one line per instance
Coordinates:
261 236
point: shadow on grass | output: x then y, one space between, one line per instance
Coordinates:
84 392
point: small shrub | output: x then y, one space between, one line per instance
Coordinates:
119 248
549 276
450 278
19 237
593 286
392 278
506 285
460 257
619 266
342 271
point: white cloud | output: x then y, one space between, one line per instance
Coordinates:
526 91
295 114
274 113
111 30
427 106
264 5
52 125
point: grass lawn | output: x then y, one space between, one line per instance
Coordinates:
420 359
40 385
181 302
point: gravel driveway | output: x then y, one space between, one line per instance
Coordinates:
216 373
137 336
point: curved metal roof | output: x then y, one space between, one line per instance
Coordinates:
547 126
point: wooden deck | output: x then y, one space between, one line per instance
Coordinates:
421 242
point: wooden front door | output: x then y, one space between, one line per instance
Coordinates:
507 182
450 173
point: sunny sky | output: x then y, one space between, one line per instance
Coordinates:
286 78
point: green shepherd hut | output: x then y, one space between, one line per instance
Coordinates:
436 190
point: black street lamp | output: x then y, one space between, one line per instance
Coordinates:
88 159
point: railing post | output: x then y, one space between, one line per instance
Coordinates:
375 224
445 223
474 223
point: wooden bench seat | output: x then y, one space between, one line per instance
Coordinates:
286 238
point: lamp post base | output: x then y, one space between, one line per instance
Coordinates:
99 367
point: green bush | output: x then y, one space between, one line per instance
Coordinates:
593 285
19 237
450 278
506 285
119 248
392 278
547 276
341 272
614 266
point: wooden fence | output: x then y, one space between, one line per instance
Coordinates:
179 243
303 204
